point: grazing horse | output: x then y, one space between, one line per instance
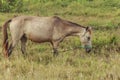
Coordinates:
43 29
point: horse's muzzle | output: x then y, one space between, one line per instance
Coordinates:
88 48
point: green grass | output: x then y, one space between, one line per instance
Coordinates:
72 63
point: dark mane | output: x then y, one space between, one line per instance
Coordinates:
75 24
68 22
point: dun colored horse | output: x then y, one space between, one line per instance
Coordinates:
43 29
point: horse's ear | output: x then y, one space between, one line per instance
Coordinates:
88 28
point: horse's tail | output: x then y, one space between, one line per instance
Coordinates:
5 38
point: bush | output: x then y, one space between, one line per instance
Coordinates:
11 5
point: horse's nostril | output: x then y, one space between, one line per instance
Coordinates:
88 38
88 50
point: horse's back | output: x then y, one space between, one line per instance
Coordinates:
36 28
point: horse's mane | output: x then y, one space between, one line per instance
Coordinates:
75 24
68 22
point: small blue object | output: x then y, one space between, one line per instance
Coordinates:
88 47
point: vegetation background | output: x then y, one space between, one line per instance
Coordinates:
103 63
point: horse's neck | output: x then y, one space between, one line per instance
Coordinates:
75 30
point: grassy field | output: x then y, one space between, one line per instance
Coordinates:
103 63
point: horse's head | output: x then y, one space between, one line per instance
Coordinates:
86 39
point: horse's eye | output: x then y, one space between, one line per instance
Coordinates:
88 38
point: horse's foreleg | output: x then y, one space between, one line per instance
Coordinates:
55 46
55 53
23 44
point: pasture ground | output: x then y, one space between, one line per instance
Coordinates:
103 63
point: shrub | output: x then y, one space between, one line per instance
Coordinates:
11 5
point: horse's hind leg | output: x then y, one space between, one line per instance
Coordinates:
16 31
15 40
23 44
11 47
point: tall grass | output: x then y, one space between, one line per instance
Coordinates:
72 63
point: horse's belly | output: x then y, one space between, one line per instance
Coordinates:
38 33
38 38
